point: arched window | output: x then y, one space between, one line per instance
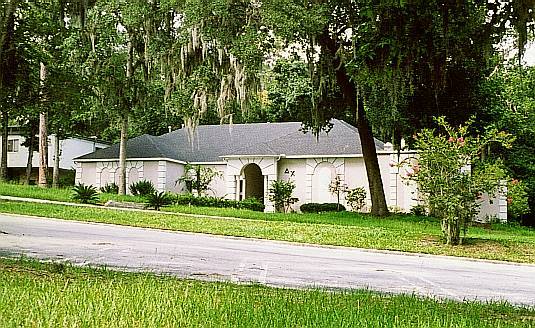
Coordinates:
133 175
324 174
104 176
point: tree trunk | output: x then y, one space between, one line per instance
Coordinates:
122 155
451 228
29 164
43 136
369 152
198 174
5 134
124 119
7 78
6 28
57 157
349 93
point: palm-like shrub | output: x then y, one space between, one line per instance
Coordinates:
142 188
157 200
85 194
110 188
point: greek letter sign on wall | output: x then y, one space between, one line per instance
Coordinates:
289 173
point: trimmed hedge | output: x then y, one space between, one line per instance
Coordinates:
324 207
249 203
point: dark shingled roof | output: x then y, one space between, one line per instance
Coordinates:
211 142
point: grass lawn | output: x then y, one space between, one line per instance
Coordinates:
57 194
34 294
402 233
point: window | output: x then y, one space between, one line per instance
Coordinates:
13 145
324 174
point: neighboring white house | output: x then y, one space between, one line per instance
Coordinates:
70 148
250 157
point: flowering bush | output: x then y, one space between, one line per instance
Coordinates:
450 175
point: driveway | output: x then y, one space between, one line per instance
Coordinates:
207 257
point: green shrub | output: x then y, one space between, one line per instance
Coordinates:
252 203
110 188
323 207
249 203
356 198
157 200
419 210
142 188
67 178
517 200
280 193
85 194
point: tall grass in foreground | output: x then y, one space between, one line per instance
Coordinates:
18 190
58 194
33 294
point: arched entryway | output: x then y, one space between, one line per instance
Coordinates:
254 182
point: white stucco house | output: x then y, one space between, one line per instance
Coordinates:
70 148
249 157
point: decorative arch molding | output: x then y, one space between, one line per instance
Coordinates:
313 163
235 177
112 168
268 165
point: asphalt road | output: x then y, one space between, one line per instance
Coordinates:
209 257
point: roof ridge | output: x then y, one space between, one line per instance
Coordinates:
270 140
234 124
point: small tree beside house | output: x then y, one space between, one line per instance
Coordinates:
280 193
451 176
198 178
337 188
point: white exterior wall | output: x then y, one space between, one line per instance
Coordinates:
108 172
86 173
401 193
70 149
218 186
99 174
319 172
295 170
150 171
174 172
495 210
73 148
355 176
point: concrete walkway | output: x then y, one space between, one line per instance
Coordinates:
209 257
